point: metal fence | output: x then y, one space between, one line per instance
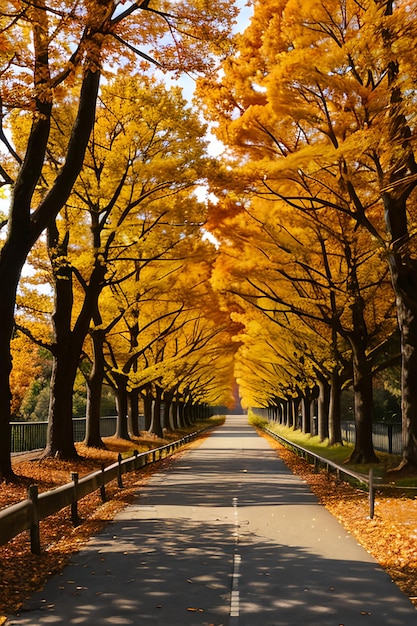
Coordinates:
386 437
26 436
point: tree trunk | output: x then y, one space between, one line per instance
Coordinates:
156 425
335 427
286 407
188 413
60 437
94 388
404 279
25 226
175 416
8 286
133 412
60 440
397 183
292 418
168 418
181 414
363 451
281 411
68 343
323 408
147 408
184 414
306 400
121 405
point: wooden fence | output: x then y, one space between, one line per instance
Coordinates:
26 515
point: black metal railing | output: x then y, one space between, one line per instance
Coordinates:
26 436
386 436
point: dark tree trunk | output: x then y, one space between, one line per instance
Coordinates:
156 425
26 226
60 440
121 381
168 415
404 278
306 411
8 286
94 388
175 417
335 426
68 343
402 168
133 412
181 414
279 411
147 408
184 415
286 412
363 451
291 418
188 418
323 408
362 370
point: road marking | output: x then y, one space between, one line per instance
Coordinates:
234 598
237 559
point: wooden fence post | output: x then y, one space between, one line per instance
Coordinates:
35 542
371 494
119 471
74 506
103 485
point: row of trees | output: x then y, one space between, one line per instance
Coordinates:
312 286
129 270
317 110
102 170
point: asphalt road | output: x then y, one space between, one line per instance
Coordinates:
227 536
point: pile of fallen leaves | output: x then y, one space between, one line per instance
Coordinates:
390 536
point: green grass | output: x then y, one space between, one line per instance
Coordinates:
339 454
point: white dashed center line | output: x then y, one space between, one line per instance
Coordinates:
234 596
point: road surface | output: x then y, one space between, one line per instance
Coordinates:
226 536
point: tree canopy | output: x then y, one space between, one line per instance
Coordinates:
310 286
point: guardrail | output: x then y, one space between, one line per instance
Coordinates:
27 514
318 460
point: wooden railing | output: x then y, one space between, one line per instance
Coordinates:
26 515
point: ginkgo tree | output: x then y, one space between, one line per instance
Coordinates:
327 274
170 339
317 107
132 204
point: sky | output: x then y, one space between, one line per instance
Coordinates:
187 82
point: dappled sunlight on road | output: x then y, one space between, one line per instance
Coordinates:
226 536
